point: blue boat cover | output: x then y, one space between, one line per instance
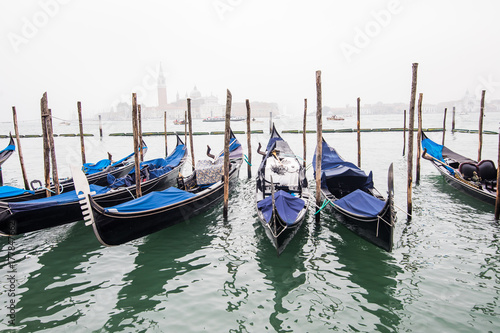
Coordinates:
91 168
433 149
361 203
150 169
55 200
335 167
287 206
10 191
152 200
9 148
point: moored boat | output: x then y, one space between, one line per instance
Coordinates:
477 179
282 194
160 209
21 217
351 193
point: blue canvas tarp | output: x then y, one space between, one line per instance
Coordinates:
10 191
155 168
152 200
287 205
433 149
361 203
55 200
91 168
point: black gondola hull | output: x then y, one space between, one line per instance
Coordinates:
38 219
118 228
378 231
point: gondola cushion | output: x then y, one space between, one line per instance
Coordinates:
209 172
91 168
361 203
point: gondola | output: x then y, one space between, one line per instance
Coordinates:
158 210
282 195
5 154
349 192
97 174
477 179
21 217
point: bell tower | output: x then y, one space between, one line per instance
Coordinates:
162 89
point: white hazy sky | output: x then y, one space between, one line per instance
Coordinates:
99 52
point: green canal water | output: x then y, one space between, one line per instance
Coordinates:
216 275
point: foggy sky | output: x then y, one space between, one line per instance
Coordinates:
99 52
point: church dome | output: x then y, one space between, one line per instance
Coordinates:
195 93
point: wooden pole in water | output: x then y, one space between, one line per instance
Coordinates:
304 132
249 140
444 124
135 130
481 117
139 126
19 150
319 138
497 201
270 122
419 136
165 129
226 153
50 134
404 134
190 124
359 133
80 125
453 121
185 126
46 146
410 138
100 127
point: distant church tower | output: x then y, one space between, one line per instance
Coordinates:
162 89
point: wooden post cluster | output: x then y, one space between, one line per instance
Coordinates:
135 129
359 133
249 140
319 138
410 138
48 147
227 137
19 150
80 125
190 124
419 136
304 132
481 118
444 124
50 133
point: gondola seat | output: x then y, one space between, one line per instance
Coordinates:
467 170
488 174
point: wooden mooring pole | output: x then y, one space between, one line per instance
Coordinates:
453 121
304 133
19 150
185 126
359 132
249 140
404 133
410 138
80 125
227 137
444 124
190 124
50 133
46 146
481 118
419 136
165 129
100 127
137 144
319 142
270 122
139 126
